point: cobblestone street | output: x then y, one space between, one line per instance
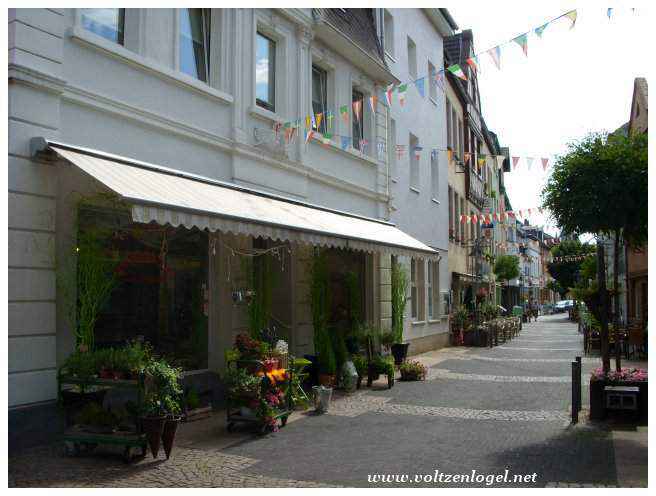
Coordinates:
489 410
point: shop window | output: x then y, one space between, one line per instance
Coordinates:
108 23
265 72
194 43
433 289
417 290
161 294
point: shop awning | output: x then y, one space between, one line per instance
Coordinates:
168 196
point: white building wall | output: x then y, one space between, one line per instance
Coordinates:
417 210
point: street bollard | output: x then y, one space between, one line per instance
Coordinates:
579 393
576 391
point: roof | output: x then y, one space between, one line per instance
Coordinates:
449 18
358 25
168 196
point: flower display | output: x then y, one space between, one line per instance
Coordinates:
624 375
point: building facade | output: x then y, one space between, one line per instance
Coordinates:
229 136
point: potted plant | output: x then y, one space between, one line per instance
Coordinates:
162 407
625 377
399 302
413 371
383 365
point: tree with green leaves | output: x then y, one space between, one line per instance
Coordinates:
600 187
506 267
565 268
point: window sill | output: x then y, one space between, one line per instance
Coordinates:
434 200
82 36
415 190
262 113
394 180
418 322
390 56
351 152
433 100
434 321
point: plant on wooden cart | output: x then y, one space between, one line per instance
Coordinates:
360 362
413 371
260 273
460 317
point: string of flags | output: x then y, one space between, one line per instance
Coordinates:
571 258
499 216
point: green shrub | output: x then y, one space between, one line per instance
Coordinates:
413 371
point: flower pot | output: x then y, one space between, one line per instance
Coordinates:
322 398
327 380
400 352
153 428
168 434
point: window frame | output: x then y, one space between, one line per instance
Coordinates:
206 22
120 25
415 163
435 175
414 296
432 84
391 150
359 122
388 39
324 105
270 106
412 58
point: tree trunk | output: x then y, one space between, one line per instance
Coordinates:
616 301
603 297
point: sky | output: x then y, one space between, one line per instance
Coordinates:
572 82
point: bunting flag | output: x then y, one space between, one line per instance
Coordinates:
418 150
495 53
522 41
400 149
388 94
467 157
572 17
515 161
363 146
314 122
609 12
463 219
419 83
529 162
456 70
326 139
545 163
357 110
373 99
318 119
308 136
343 110
401 91
329 118
439 79
500 159
345 142
481 162
449 154
434 154
540 29
473 62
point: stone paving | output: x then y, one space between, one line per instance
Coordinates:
482 409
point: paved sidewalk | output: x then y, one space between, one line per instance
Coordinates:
488 410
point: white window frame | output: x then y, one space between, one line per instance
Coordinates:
415 163
433 290
432 84
388 33
210 56
391 151
282 96
435 175
414 297
412 58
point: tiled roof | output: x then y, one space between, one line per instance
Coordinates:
358 25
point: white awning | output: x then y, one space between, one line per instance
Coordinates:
168 196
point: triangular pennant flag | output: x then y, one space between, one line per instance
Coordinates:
357 110
343 110
439 79
314 122
481 161
345 142
473 62
495 53
308 122
319 117
474 218
500 159
463 219
329 118
388 94
540 29
515 160
373 99
456 70
401 91
309 135
326 139
545 163
419 83
529 162
522 41
572 17
609 12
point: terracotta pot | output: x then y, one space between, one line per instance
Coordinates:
327 380
153 427
168 434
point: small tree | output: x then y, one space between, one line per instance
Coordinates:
399 299
600 187
506 268
567 271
